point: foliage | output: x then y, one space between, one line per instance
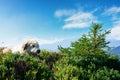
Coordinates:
86 59
88 67
26 67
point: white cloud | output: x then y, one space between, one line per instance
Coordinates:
48 41
76 18
96 9
64 12
17 40
112 11
44 41
75 25
115 31
79 20
80 15
5 42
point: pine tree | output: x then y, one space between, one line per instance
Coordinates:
93 42
98 38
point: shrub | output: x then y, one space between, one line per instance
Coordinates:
15 66
25 67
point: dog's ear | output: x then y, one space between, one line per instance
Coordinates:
25 45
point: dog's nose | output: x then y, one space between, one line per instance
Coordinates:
38 51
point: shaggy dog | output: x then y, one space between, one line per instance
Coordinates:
29 46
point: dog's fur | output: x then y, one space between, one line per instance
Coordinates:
29 46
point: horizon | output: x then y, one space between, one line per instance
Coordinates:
56 22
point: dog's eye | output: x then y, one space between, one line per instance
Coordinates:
33 45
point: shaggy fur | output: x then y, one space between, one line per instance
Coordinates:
30 46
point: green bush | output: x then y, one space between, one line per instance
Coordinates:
88 67
14 66
26 67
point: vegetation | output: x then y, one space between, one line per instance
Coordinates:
85 59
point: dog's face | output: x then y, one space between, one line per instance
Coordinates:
31 47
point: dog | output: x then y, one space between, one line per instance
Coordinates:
29 46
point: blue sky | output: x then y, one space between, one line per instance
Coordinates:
56 22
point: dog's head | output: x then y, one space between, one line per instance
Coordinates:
31 47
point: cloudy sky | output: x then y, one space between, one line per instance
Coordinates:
56 22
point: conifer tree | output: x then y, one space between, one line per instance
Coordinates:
93 42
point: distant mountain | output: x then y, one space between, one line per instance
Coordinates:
115 50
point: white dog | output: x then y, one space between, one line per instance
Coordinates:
30 46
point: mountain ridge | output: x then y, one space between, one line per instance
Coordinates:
115 50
